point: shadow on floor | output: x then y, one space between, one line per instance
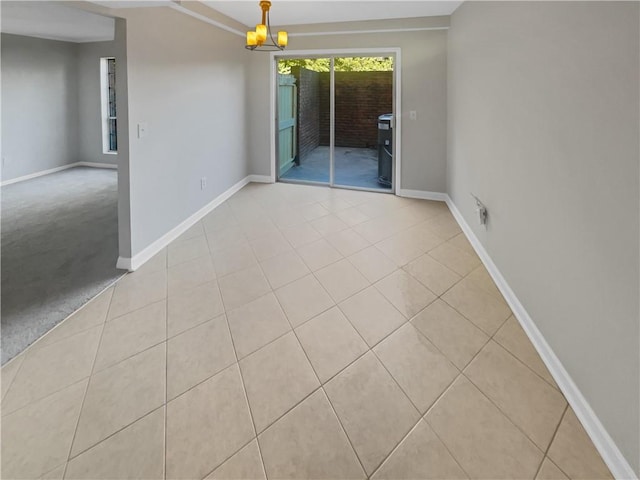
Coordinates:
354 167
59 249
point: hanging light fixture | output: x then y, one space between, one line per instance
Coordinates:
258 39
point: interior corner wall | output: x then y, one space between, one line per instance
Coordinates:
424 89
544 129
186 82
39 105
90 148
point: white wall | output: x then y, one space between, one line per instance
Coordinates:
39 105
423 89
186 80
544 128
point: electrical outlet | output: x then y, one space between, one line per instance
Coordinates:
413 115
203 183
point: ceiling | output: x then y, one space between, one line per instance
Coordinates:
51 20
302 12
55 22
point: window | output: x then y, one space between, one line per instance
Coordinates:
108 89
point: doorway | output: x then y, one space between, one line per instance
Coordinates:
336 119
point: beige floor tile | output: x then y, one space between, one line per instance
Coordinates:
190 274
424 236
341 280
243 287
92 314
455 336
481 279
319 254
549 471
331 343
372 263
313 211
49 369
530 402
270 246
9 371
444 225
196 230
225 238
375 413
188 308
347 242
136 291
376 229
300 235
244 465
460 241
125 336
401 248
284 269
372 315
328 225
432 274
308 442
197 354
352 216
155 263
407 294
206 425
55 474
512 337
303 299
277 377
573 451
418 367
233 259
420 456
37 438
179 252
219 220
478 306
335 204
257 323
480 437
257 228
457 260
428 209
120 395
135 452
287 217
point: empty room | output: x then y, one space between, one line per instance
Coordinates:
347 239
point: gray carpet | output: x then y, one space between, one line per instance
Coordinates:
59 249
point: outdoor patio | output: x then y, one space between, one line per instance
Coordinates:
354 167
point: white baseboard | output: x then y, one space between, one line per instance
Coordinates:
603 442
261 179
57 169
141 258
422 195
96 165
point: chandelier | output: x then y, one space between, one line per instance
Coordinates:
257 40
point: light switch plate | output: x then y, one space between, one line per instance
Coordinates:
143 128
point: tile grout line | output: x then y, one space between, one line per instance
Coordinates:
166 368
553 437
321 386
86 390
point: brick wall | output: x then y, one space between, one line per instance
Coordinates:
360 98
308 121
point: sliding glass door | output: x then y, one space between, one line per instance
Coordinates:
335 121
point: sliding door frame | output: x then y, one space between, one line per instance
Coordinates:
332 54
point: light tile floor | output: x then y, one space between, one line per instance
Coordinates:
295 332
